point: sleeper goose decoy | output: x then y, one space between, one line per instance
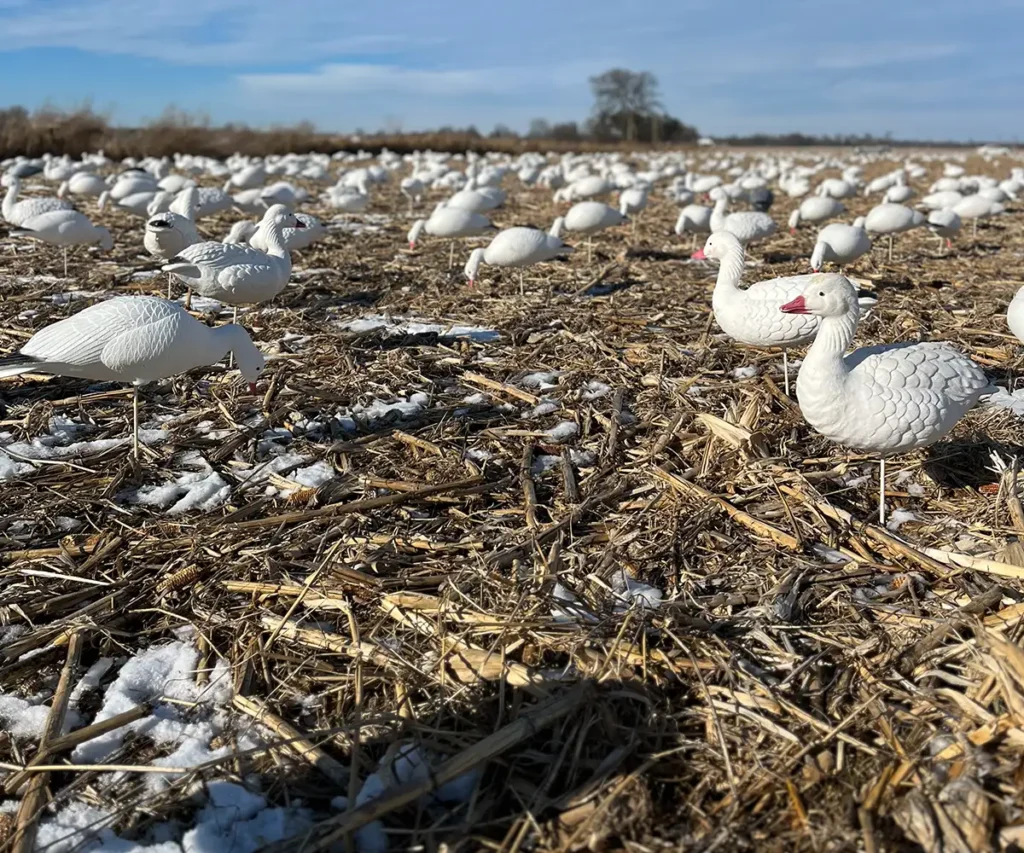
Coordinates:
167 234
752 316
885 399
840 243
452 223
516 247
17 213
588 217
65 228
135 339
890 219
237 274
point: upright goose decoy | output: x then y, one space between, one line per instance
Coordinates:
886 399
135 339
753 316
17 213
746 225
237 274
167 234
310 230
696 219
65 228
516 247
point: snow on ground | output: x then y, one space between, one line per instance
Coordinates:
1011 402
201 488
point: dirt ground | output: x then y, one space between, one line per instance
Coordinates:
808 681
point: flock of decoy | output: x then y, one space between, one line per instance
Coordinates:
884 400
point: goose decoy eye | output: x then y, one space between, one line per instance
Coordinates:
821 293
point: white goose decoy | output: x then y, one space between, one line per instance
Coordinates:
240 232
451 223
696 219
942 200
17 213
588 217
516 247
347 199
945 224
1015 315
167 234
136 204
136 339
65 228
84 184
885 399
840 243
817 208
237 274
746 225
890 219
975 207
478 200
752 316
309 231
412 189
212 200
632 202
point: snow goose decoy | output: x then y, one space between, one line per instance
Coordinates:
892 219
886 399
752 316
83 184
975 207
452 223
236 274
412 189
588 217
65 228
746 225
167 234
817 208
309 231
840 243
945 224
17 213
136 339
516 247
696 219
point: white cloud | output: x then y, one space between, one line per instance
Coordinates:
365 78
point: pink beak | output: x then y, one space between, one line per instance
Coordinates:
253 389
412 246
797 306
792 231
699 255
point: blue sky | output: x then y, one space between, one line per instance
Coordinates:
936 69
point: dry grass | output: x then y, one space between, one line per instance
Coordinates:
776 702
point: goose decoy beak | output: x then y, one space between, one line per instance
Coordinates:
797 306
699 255
253 389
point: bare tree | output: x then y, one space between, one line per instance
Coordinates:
621 98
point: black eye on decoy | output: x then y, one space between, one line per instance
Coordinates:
821 293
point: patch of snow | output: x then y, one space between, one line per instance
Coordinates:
378 410
203 489
746 372
898 518
542 379
915 489
594 390
203 304
829 555
562 431
632 592
567 606
1002 399
70 296
544 407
